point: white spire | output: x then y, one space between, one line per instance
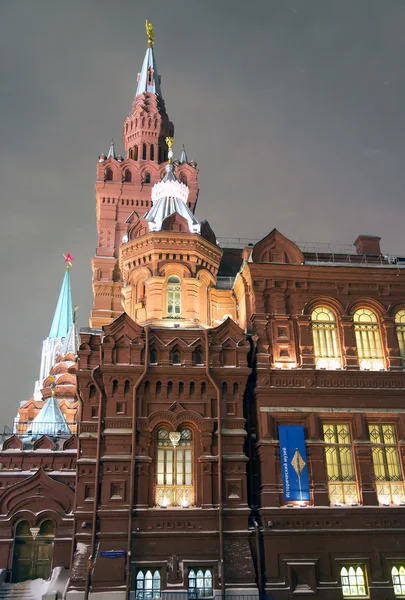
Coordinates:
183 157
111 152
149 78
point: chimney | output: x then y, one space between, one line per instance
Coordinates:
368 244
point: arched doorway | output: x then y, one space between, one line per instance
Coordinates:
32 557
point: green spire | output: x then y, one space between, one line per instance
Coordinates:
63 317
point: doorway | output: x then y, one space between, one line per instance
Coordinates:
32 557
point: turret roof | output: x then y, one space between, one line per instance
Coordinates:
50 420
63 317
149 78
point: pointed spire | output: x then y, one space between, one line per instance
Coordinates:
183 158
50 420
111 152
63 317
149 78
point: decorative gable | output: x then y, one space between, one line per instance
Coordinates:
276 248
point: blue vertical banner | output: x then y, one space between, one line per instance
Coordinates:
294 467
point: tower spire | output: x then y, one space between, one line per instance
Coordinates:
149 78
111 152
62 323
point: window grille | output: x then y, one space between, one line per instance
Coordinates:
368 340
148 585
400 328
353 581
326 343
200 583
339 464
173 295
398 579
174 485
387 466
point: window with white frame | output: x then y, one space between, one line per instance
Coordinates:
386 462
398 580
339 464
173 296
368 340
325 336
174 483
148 584
400 329
353 579
200 583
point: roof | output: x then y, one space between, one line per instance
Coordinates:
149 78
49 420
63 317
170 196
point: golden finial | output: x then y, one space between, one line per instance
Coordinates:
170 142
150 34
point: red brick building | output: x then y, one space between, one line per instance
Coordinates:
149 462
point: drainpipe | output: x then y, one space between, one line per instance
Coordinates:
132 472
258 558
220 501
72 549
96 478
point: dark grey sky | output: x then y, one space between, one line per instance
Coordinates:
293 109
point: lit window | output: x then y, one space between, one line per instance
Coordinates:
387 469
353 581
173 295
200 583
400 327
147 585
326 344
339 463
368 340
174 485
398 579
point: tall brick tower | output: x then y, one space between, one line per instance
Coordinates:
123 185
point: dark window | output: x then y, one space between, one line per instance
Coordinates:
143 151
152 151
200 583
108 175
147 177
153 357
198 357
128 176
176 357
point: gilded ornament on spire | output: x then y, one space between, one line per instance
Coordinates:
150 34
170 142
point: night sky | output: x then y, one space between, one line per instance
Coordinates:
293 109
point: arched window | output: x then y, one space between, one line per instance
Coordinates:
173 295
398 579
174 472
115 386
203 389
400 327
152 152
326 343
198 356
353 581
153 357
158 388
108 175
135 155
143 151
200 583
175 357
368 340
147 585
127 387
128 176
147 177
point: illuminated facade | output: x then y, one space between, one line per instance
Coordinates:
149 461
